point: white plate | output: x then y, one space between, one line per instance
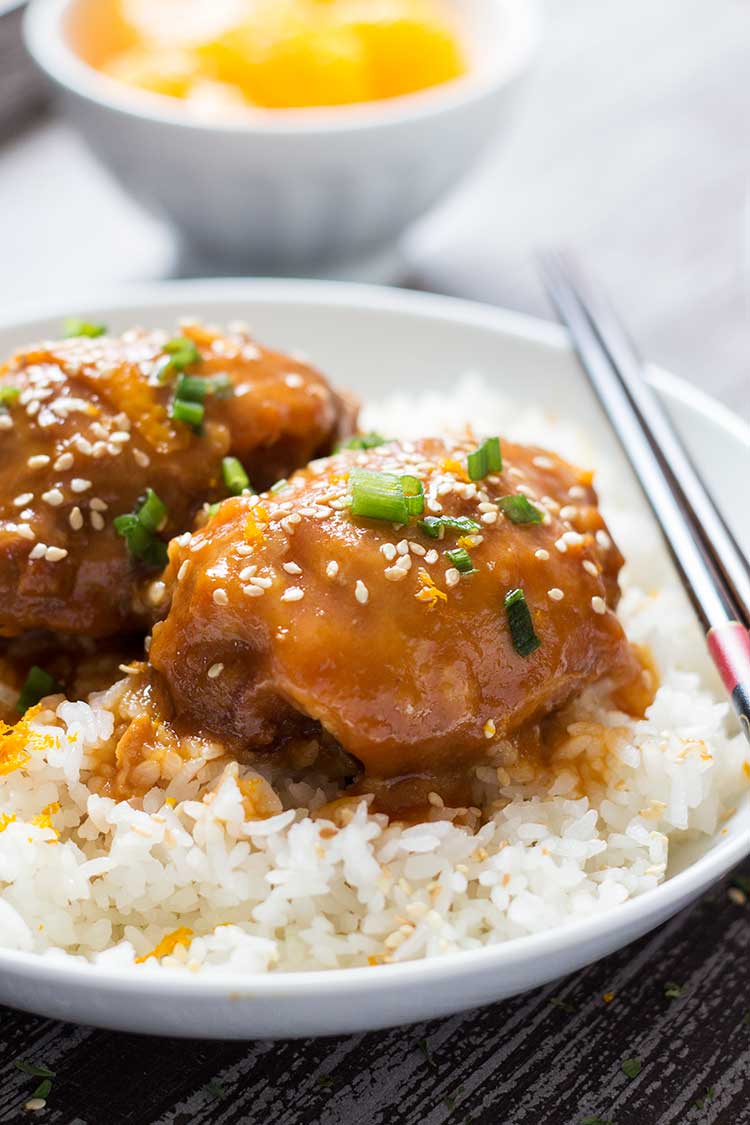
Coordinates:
377 341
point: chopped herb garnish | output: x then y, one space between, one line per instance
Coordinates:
424 1047
525 640
378 496
434 526
461 559
73 327
37 684
43 1089
196 388
215 1089
413 491
699 1103
632 1067
672 991
487 459
234 476
213 509
279 485
595 1121
558 1002
361 441
36 1070
139 528
191 413
9 395
519 509
324 1081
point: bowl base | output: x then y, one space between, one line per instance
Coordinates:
386 266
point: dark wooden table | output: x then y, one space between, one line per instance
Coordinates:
632 143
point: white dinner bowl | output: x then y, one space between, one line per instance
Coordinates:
378 341
295 191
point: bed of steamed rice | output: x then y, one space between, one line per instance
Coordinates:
110 881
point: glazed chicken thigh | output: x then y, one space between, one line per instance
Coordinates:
415 639
92 427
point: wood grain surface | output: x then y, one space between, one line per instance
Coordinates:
632 145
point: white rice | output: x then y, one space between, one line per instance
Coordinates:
289 892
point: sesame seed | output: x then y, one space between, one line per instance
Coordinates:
417 549
184 568
97 521
155 593
220 597
556 594
253 591
264 583
38 461
431 557
402 547
25 531
38 551
388 551
332 569
247 573
119 437
54 497
6 422
215 670
292 568
543 463
141 458
577 493
452 576
361 593
541 554
598 605
33 408
183 540
24 499
34 1104
78 484
293 594
568 512
98 505
293 380
590 567
603 539
55 554
395 573
561 545
64 461
489 517
436 800
572 538
489 728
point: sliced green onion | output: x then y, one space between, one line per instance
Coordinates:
43 1090
519 509
434 526
413 491
234 476
139 528
153 512
279 485
38 683
191 413
73 327
525 640
361 441
183 352
9 395
487 459
461 559
378 496
213 509
195 388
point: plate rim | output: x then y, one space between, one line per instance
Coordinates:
658 903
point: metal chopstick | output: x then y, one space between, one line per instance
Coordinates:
714 579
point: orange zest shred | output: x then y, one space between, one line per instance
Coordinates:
451 465
15 740
44 818
254 524
746 769
429 593
168 944
6 819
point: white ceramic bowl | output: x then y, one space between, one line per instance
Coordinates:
296 191
376 341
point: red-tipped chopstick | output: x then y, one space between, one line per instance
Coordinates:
709 561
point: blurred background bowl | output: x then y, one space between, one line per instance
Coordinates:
23 91
310 192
